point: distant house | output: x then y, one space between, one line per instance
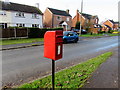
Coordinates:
89 22
19 15
105 28
111 24
57 18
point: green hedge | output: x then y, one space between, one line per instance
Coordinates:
39 33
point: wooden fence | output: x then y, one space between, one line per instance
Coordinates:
14 32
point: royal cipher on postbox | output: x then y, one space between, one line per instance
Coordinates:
53 44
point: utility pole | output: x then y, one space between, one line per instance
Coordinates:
81 17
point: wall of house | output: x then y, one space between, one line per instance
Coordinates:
56 22
47 18
115 27
27 20
108 23
76 19
5 18
104 28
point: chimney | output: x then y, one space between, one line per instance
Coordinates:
77 15
77 11
37 5
67 11
7 2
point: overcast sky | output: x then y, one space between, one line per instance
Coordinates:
105 9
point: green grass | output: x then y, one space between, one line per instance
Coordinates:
73 77
89 35
114 34
96 35
19 41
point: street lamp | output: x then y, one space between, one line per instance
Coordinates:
81 17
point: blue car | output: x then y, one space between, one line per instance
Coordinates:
70 36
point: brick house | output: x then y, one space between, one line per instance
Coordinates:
89 22
57 18
112 25
105 28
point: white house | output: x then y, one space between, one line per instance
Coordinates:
19 15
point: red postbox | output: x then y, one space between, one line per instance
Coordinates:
53 44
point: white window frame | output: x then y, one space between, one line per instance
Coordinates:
3 25
68 19
59 18
35 16
96 20
20 14
2 12
35 25
20 25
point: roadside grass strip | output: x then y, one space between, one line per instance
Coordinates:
89 35
20 41
98 35
73 77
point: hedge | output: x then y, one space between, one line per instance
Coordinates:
39 33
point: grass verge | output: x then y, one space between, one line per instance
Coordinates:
97 35
20 41
73 77
89 35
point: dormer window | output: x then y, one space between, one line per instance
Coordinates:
35 16
20 14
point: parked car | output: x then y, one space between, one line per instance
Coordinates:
83 31
70 36
78 31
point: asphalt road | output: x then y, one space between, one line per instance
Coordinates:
23 65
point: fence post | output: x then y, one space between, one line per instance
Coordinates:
15 32
27 32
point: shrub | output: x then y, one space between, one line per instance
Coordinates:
39 33
110 31
77 25
101 32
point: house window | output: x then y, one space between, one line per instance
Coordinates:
20 25
59 18
2 13
3 25
35 16
87 21
96 21
20 14
35 25
68 19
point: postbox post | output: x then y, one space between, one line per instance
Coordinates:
53 74
53 48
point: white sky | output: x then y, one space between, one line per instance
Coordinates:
105 9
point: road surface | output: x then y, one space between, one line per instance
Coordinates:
23 65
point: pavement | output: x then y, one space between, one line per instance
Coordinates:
106 76
23 45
